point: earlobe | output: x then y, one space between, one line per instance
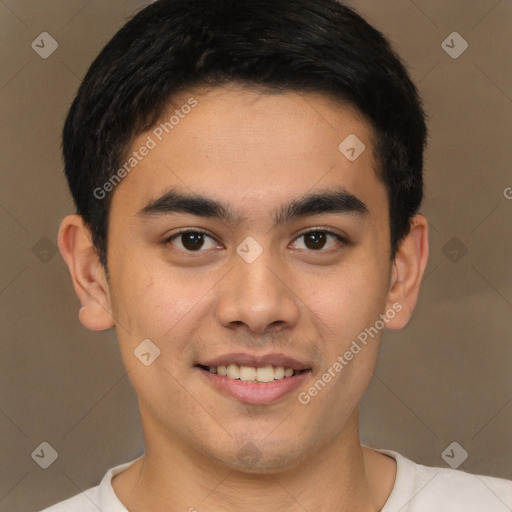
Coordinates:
407 272
87 273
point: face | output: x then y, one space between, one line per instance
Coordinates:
245 242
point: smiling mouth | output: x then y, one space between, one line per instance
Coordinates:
262 374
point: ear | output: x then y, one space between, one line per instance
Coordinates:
88 275
407 272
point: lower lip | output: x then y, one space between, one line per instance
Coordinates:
255 392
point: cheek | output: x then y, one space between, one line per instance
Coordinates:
154 302
165 309
350 298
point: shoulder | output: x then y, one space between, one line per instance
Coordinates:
450 488
421 488
99 498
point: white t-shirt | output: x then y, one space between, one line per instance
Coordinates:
417 489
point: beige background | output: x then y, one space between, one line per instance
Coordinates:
445 378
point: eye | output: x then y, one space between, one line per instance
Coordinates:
192 241
317 240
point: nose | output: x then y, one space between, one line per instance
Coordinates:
257 296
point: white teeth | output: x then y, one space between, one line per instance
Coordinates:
278 372
265 374
247 373
252 374
233 372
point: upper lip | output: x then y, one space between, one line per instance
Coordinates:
256 361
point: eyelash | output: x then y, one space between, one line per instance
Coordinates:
202 232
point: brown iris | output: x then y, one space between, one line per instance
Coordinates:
315 239
192 241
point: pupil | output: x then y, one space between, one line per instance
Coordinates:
192 241
315 240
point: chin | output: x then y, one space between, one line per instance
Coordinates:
260 458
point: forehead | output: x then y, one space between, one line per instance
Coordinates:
252 148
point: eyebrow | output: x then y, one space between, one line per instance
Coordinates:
330 201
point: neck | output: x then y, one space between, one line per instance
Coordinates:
339 476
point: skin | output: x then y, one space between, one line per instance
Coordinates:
254 152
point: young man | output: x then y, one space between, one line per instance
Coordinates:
247 176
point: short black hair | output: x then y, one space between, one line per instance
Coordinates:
277 45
